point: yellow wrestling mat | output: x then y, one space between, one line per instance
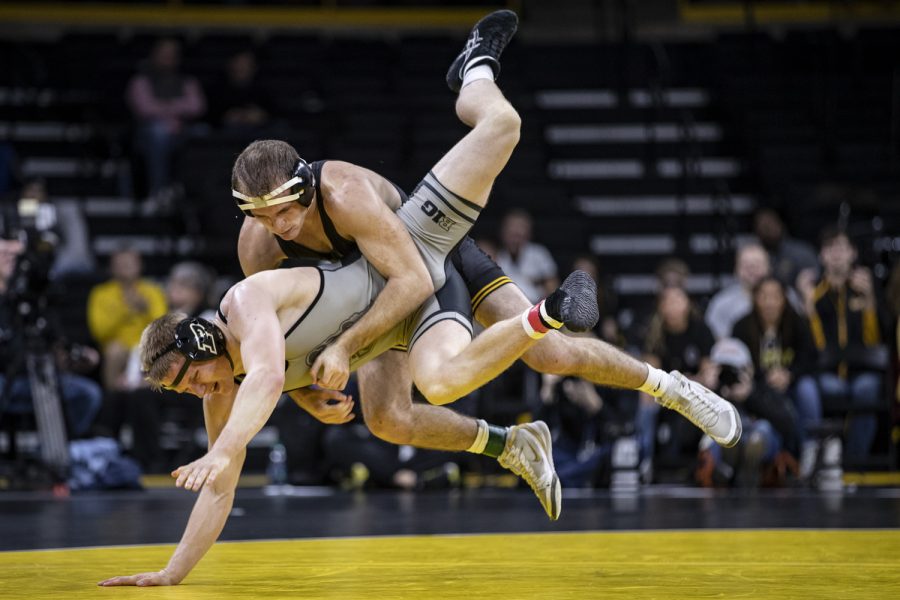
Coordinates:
668 564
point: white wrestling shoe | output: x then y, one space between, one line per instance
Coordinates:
714 415
529 454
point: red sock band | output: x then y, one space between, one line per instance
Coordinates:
534 319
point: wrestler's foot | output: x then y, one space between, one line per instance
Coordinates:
717 417
484 46
529 454
575 302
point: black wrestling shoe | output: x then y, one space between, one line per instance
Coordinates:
575 302
484 46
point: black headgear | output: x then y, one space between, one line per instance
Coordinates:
197 340
301 185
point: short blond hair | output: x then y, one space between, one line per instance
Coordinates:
155 338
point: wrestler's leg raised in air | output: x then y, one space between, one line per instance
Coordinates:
446 364
603 364
470 167
467 171
459 186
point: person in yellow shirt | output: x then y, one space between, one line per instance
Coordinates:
119 309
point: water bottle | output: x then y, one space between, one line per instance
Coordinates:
277 469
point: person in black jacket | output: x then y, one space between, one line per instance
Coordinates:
846 321
783 359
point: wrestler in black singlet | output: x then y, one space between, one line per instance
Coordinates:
478 271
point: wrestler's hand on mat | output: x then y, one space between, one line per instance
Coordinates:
328 406
331 369
204 469
141 579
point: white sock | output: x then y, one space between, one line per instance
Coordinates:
477 72
657 382
481 438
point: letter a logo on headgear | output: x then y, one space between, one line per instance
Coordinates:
204 339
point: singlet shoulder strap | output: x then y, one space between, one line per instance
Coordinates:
341 245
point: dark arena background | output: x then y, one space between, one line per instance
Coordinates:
728 171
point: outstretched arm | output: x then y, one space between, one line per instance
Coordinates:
359 212
208 516
253 320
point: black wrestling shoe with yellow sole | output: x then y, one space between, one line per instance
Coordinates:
485 45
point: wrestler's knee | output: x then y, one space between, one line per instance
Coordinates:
437 391
391 422
506 124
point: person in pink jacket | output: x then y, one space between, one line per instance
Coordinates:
164 102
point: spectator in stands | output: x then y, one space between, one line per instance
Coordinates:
240 102
80 395
73 250
677 338
528 264
164 102
734 301
846 328
187 289
787 256
783 359
673 272
118 310
635 321
760 444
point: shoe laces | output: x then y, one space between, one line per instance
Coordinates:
704 409
515 462
699 405
473 42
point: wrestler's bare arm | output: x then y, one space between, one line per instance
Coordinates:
210 511
257 248
252 310
357 207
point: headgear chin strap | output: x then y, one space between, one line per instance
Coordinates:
301 184
198 340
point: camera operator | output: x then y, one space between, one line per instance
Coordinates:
769 422
81 397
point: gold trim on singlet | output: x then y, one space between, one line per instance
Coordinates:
478 298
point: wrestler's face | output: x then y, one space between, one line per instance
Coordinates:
202 378
284 220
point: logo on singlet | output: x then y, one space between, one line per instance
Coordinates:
315 352
437 215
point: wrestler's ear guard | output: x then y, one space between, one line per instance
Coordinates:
198 340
